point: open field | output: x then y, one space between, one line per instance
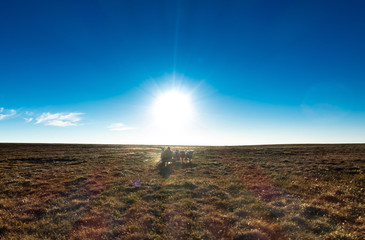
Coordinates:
248 192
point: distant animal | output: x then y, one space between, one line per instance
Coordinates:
176 155
182 156
189 155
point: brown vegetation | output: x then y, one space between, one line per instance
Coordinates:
249 192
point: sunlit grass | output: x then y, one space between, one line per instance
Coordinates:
273 192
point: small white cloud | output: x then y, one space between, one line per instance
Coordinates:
59 119
28 119
6 113
119 127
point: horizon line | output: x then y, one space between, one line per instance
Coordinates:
195 145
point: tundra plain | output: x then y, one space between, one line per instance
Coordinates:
60 191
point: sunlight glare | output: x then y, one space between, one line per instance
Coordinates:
173 109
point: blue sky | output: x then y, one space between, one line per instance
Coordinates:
255 72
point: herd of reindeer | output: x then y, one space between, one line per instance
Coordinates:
168 156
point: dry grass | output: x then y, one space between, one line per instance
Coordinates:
253 192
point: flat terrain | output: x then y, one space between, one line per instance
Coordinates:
121 192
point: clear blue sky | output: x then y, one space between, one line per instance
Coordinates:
256 72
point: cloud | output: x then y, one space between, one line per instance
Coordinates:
59 119
28 119
6 113
119 127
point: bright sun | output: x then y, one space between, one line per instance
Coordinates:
173 110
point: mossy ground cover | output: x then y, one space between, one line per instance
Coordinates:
121 192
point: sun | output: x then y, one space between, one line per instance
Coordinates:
173 109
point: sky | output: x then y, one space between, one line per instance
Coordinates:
237 72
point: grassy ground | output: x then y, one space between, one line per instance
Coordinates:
253 192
